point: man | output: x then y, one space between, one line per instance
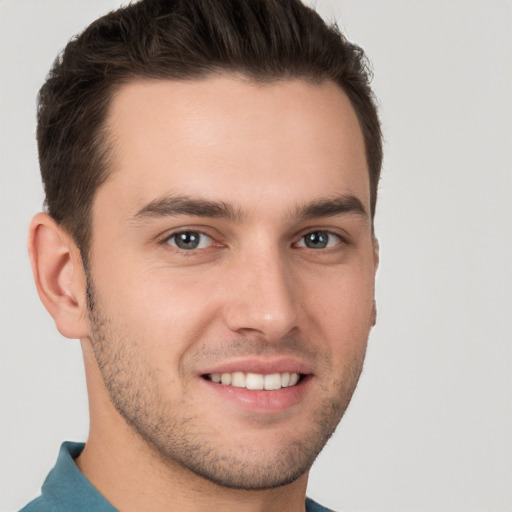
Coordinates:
210 171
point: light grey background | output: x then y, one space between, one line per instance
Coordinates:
430 426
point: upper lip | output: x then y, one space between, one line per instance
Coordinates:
264 366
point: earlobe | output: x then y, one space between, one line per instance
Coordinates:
59 275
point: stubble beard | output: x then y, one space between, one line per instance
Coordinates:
180 440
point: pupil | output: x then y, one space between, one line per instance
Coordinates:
187 240
317 240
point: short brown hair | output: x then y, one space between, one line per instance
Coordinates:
266 40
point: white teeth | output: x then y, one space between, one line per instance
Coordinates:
238 380
273 381
256 381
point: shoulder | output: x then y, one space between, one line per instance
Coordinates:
38 505
313 506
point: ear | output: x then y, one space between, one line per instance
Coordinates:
376 256
373 318
59 275
376 253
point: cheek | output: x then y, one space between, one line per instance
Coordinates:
161 310
341 313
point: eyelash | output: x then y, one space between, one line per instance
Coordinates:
320 233
190 233
301 243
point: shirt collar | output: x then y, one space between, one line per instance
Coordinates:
68 488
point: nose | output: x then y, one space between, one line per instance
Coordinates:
262 297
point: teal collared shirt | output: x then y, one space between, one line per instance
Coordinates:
67 490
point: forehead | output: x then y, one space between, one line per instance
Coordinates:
229 139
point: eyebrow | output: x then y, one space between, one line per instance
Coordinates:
184 205
330 207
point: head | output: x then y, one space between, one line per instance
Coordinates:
213 166
265 41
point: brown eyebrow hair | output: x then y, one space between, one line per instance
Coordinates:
332 206
185 205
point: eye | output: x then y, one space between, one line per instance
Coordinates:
319 240
189 240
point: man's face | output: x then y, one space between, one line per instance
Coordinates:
233 242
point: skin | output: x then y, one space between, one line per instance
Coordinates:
270 159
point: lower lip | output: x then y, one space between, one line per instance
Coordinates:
266 402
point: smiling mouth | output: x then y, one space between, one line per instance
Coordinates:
256 381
